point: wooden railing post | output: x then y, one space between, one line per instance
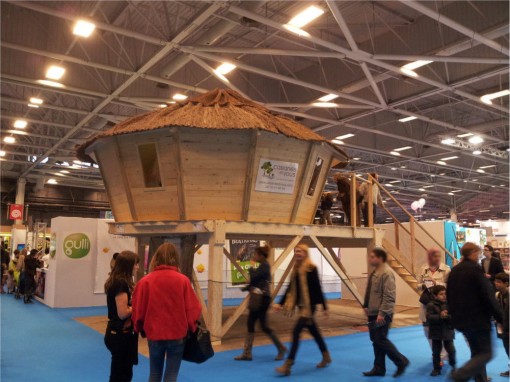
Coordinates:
413 242
397 236
370 206
354 218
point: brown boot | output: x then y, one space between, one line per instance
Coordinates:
326 360
281 347
248 345
285 368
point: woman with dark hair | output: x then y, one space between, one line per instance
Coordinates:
120 338
260 300
304 294
165 308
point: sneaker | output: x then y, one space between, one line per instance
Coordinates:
435 372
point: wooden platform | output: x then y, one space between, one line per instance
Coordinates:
346 317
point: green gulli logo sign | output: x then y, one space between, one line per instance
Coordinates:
76 245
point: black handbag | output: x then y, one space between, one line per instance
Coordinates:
426 297
198 347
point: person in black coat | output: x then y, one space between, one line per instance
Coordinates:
501 282
440 329
491 265
260 300
304 294
472 306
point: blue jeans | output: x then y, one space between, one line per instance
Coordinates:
173 351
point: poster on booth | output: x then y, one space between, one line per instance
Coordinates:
77 245
242 251
276 176
107 244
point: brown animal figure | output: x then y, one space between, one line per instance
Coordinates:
344 195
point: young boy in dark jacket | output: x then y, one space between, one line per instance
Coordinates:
501 283
440 329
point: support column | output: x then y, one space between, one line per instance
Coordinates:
20 197
215 283
188 244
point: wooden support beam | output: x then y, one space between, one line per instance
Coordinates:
180 176
235 316
354 207
370 206
200 296
285 253
282 279
249 174
235 264
188 244
310 165
345 279
413 243
125 183
215 283
397 235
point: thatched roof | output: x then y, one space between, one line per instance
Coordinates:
220 109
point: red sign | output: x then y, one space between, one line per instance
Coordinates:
16 211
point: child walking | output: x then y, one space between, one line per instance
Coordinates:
440 329
501 283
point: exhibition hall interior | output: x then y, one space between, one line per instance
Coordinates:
254 190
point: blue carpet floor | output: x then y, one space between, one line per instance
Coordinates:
47 345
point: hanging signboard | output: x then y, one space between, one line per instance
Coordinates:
276 176
16 211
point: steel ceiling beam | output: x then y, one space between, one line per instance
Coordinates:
455 26
360 56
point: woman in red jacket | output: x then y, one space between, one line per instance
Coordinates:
164 309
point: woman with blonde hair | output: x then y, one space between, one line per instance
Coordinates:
304 294
165 308
120 338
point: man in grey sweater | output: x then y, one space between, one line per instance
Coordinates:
379 305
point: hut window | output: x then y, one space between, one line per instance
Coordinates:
315 176
150 165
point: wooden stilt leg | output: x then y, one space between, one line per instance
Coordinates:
215 283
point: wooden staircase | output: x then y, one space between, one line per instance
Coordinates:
397 265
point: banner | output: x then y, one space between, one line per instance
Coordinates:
16 211
107 245
276 176
242 251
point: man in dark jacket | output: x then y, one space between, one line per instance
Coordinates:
472 305
501 282
491 265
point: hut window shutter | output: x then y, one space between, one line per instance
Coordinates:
150 165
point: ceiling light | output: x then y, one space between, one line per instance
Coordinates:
34 106
449 158
432 176
295 30
327 97
324 104
465 181
475 140
55 72
442 173
421 189
480 171
36 100
163 105
337 142
450 193
50 83
179 97
394 181
416 64
402 166
448 141
408 72
64 171
51 181
83 28
345 136
484 211
475 180
396 153
489 166
10 140
407 119
20 124
489 97
2 153
428 186
441 162
502 185
403 148
389 185
306 16
225 68
393 169
356 158
477 152
465 135
457 191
